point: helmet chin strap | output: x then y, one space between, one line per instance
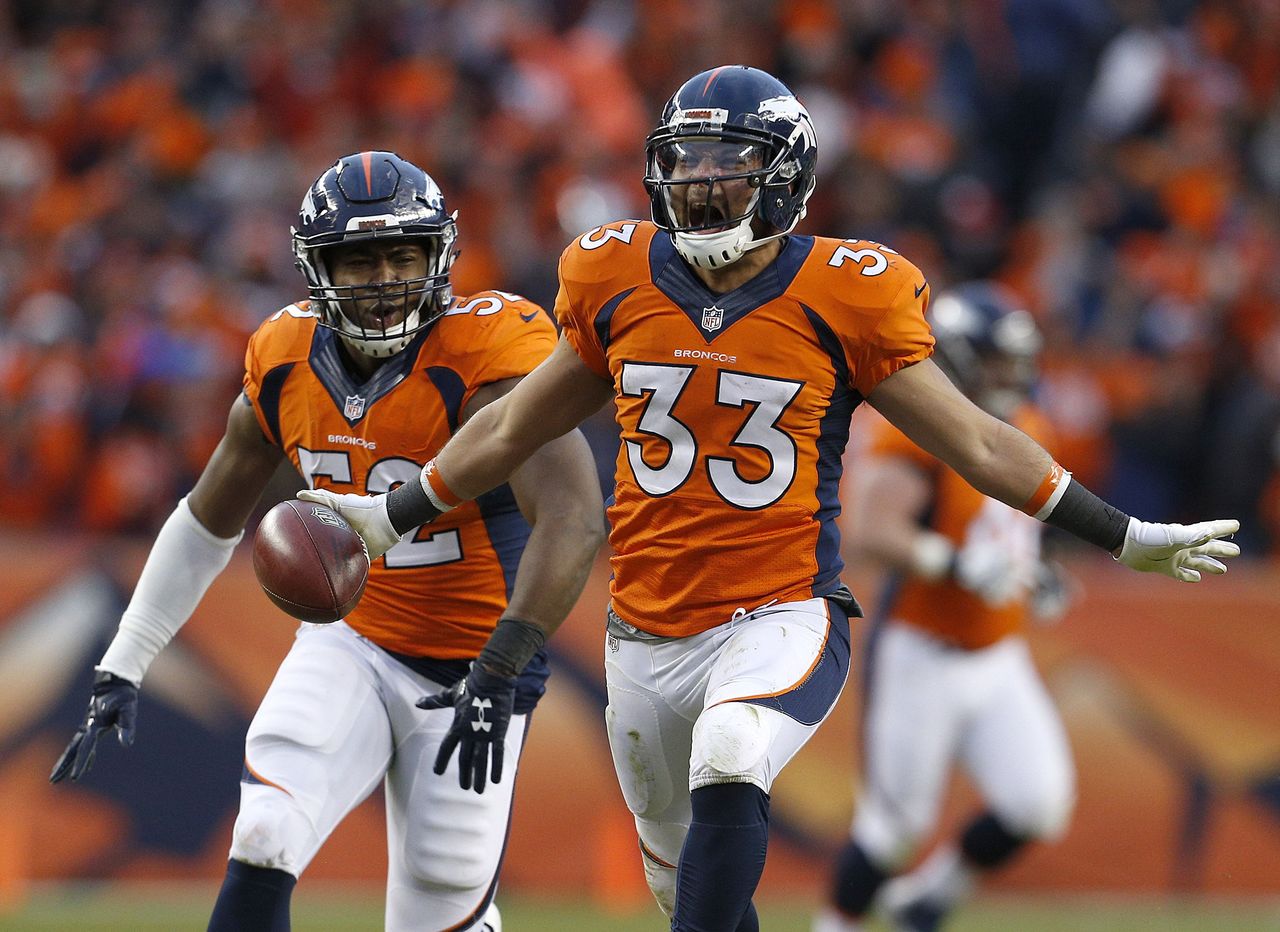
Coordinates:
387 346
714 250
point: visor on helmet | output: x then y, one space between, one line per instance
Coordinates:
709 184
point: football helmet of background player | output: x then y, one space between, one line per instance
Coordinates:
367 196
986 344
746 107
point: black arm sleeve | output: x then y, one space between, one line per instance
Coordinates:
408 506
1089 517
511 646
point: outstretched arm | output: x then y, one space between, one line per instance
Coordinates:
995 458
558 493
549 402
1004 463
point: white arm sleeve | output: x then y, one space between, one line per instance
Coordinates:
184 560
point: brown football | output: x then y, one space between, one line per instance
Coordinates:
310 561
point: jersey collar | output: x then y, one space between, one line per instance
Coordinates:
354 399
713 313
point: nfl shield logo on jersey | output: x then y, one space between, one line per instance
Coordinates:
353 410
712 318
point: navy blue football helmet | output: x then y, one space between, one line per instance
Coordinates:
375 195
986 343
732 124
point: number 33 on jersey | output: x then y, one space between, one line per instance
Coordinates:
734 410
367 438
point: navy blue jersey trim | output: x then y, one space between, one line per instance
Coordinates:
603 322
833 437
507 529
452 389
269 399
809 701
326 362
831 343
677 281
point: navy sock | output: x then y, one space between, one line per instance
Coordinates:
856 881
987 844
722 859
252 899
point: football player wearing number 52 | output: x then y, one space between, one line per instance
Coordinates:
735 351
357 388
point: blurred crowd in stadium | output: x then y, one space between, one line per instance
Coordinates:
1116 162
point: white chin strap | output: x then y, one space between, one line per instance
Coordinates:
715 250
387 346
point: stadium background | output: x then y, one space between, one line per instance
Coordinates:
1116 163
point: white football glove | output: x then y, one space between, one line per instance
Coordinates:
366 513
986 568
1177 550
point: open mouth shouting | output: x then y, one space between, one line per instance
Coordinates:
708 218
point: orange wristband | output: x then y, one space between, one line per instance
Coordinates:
436 490
1042 503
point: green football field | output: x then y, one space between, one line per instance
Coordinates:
89 909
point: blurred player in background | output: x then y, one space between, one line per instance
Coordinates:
357 388
735 353
947 674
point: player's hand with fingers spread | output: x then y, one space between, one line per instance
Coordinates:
113 704
482 705
1181 551
366 513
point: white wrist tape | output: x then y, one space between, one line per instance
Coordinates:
184 560
932 555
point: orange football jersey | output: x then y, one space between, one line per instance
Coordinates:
960 512
734 411
439 593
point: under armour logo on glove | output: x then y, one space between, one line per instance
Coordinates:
482 707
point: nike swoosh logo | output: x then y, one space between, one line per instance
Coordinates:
528 317
919 290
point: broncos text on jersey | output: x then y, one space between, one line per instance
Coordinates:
439 592
734 411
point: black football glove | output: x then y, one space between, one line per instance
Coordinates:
113 704
482 706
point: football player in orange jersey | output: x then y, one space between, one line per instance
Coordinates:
357 388
948 676
735 352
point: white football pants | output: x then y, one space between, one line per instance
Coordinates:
340 717
676 721
930 703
